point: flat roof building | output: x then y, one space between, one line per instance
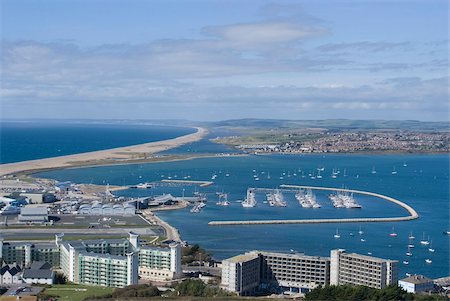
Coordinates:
416 284
33 214
241 273
357 269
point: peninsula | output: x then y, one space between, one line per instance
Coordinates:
120 155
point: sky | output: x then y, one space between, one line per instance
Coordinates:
217 60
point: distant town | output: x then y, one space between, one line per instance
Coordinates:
342 142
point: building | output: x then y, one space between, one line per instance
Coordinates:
107 262
241 273
33 197
24 253
10 274
160 263
33 215
416 284
126 209
352 268
296 273
39 273
111 262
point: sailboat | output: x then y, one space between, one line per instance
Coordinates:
337 235
409 252
405 262
411 236
431 249
373 170
429 261
423 241
360 232
394 172
393 234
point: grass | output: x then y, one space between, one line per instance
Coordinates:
71 292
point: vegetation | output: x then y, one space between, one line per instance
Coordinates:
197 288
132 291
73 292
194 253
358 293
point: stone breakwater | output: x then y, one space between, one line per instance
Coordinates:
412 213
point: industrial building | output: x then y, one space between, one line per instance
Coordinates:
107 209
352 268
298 273
33 214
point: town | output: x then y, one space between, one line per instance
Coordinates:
345 142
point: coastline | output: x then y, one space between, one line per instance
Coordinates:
121 155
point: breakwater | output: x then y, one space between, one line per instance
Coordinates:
412 214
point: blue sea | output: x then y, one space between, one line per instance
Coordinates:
20 141
422 181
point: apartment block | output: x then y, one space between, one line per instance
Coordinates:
352 268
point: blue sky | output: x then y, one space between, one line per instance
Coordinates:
214 60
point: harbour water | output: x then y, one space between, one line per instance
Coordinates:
22 141
419 180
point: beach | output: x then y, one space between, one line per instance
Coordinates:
120 155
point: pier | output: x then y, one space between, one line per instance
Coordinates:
192 182
412 213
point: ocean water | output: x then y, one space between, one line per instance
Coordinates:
20 141
422 181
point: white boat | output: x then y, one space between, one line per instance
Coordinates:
405 262
429 261
360 232
431 249
394 172
337 235
424 242
373 170
362 240
411 236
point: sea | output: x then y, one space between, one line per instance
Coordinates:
422 181
20 141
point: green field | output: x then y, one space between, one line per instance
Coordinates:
68 292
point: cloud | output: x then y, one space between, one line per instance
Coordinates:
364 46
263 34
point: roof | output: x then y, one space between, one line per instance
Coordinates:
242 258
33 211
40 265
40 274
417 279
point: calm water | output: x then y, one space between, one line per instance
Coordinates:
423 183
28 141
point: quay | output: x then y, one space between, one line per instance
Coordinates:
412 213
200 183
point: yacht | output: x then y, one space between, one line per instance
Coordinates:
431 249
337 235
394 172
429 261
360 232
373 170
405 262
424 242
362 240
393 233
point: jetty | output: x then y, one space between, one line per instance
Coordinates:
192 182
411 216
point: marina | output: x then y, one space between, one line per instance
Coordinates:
314 238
